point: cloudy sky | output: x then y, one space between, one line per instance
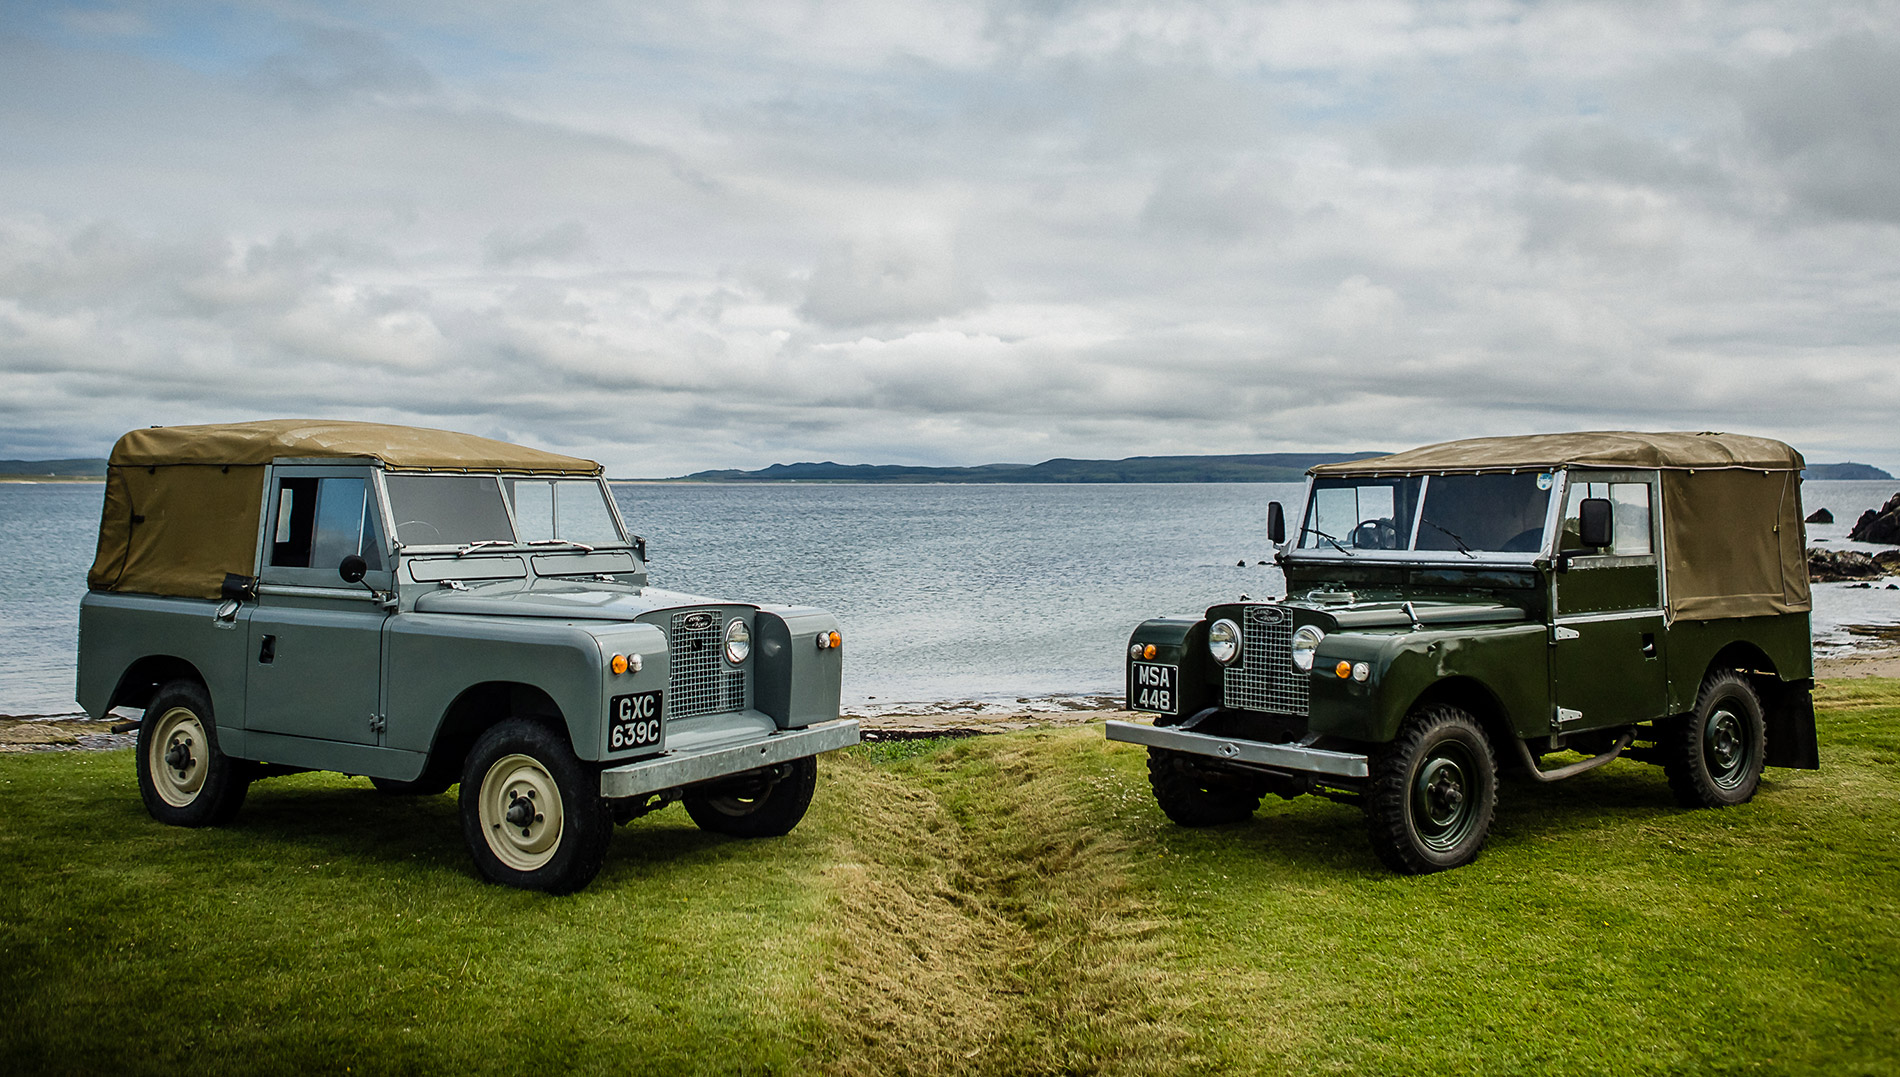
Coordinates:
717 234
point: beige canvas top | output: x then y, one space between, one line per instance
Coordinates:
183 502
398 447
1605 448
1734 541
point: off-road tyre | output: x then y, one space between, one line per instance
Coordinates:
1713 756
425 786
1192 795
1432 792
532 812
744 811
184 779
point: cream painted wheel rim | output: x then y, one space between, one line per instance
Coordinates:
179 756
521 812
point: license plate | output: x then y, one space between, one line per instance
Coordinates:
633 721
1151 687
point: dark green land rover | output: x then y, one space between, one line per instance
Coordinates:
1483 603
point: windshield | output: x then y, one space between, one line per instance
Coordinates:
1466 514
571 510
456 510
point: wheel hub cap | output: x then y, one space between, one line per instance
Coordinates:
176 756
1725 747
521 812
1442 802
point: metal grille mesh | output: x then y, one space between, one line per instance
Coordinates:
1264 679
701 681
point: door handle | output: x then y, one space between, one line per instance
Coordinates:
267 650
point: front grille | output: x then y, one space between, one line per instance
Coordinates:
701 681
1264 679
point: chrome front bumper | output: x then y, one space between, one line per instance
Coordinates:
673 771
1297 757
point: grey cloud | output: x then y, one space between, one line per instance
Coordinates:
1828 119
338 62
888 279
507 246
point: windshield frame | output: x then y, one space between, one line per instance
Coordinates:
1326 553
514 545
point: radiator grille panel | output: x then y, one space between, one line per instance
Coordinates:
1264 679
701 681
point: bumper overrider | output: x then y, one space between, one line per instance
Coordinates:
673 771
1298 757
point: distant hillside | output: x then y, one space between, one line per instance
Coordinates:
52 469
1257 467
1844 471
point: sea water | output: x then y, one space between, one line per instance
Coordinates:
983 593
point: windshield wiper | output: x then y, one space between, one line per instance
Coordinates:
563 542
473 546
1449 533
1330 539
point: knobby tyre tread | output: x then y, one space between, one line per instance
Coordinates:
1195 796
1728 718
219 783
770 816
1399 804
586 821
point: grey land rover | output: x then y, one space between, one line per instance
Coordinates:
1476 605
426 608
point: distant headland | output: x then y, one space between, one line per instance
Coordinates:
1253 467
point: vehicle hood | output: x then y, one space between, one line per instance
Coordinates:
565 600
1393 614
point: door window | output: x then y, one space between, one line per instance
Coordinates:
1629 511
321 520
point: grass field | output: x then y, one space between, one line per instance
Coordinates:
1009 904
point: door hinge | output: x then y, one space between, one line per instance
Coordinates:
1558 633
377 723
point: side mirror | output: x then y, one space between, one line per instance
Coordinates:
1276 523
1594 523
353 569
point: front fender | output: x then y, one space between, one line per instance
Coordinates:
1511 662
1179 641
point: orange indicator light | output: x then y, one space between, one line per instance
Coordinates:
1148 651
837 640
619 663
1344 669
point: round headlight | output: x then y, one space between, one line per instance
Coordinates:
1305 642
738 642
1223 641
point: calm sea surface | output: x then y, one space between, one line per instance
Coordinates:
984 593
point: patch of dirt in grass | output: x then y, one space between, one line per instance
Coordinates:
989 927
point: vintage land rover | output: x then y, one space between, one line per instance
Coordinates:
1484 602
427 608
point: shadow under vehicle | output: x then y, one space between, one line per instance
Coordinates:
1482 603
427 608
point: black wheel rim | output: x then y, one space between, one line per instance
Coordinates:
1445 797
1725 748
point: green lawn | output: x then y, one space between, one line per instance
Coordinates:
1010 904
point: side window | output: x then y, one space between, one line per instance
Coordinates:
320 521
1630 513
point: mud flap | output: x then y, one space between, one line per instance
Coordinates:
1790 722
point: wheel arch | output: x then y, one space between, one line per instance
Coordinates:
143 678
1475 698
480 707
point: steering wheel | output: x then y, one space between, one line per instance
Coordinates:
1379 534
403 534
